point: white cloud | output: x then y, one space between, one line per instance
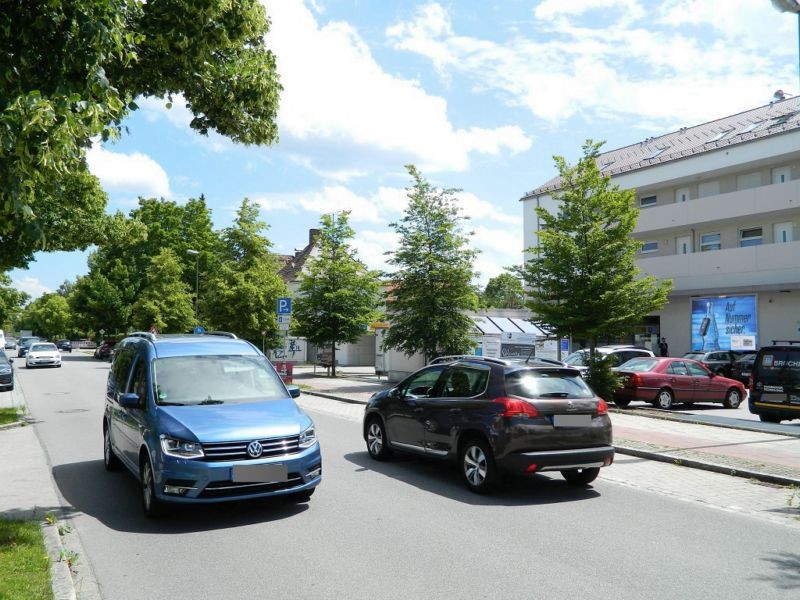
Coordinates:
32 286
372 245
134 173
334 90
675 63
481 211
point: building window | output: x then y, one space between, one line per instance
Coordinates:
648 247
708 188
748 181
783 232
710 241
646 201
682 194
781 174
750 237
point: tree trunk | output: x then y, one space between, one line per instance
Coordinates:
333 359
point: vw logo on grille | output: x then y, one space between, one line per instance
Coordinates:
254 449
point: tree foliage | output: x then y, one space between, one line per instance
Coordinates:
48 316
431 288
244 288
165 300
582 278
11 301
338 296
70 71
504 291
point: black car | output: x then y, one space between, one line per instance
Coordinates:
25 344
742 367
64 345
492 415
775 382
719 361
6 372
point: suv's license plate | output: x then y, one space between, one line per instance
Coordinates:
794 399
259 473
572 420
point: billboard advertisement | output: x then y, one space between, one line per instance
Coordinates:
724 323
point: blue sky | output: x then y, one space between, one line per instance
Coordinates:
478 95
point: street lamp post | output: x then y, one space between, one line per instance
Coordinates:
196 284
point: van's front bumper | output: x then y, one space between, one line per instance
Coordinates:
196 481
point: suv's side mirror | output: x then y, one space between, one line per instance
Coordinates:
129 400
294 391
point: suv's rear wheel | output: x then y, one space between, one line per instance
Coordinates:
377 442
478 467
770 418
581 476
110 460
664 399
152 506
733 399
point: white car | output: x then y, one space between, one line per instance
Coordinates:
43 354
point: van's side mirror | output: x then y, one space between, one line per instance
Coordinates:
294 391
129 400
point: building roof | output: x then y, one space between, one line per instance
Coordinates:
293 264
775 118
498 325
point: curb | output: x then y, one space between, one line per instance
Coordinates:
656 456
60 575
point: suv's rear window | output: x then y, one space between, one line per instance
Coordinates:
779 366
556 383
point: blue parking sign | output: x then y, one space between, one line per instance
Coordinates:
284 306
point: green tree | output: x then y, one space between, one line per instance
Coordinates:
245 286
431 289
70 71
166 300
11 301
96 304
582 278
48 316
338 296
504 291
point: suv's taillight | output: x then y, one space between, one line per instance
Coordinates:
514 407
602 407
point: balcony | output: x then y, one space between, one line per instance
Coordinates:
768 200
769 266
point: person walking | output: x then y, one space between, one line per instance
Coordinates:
663 348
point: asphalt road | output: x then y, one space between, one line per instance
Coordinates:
404 529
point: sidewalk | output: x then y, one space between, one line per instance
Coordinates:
733 450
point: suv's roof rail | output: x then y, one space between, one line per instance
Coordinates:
226 334
143 334
790 342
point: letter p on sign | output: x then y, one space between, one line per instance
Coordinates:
284 306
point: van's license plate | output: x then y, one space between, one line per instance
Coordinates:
259 473
794 399
572 420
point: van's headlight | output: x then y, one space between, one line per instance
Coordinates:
180 448
308 438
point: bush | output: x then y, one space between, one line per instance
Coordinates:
601 378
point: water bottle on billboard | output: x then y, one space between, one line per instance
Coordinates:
709 330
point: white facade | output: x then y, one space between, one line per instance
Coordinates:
720 217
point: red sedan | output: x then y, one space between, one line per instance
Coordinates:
667 381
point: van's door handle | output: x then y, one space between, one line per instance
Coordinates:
418 410
455 410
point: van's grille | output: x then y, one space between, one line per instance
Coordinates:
222 451
228 489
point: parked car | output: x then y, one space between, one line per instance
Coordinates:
25 343
617 353
531 360
11 343
205 418
42 354
493 416
775 382
6 372
742 367
665 381
719 361
64 345
105 349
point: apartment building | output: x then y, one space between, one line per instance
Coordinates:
720 216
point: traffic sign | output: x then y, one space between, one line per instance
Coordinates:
284 306
284 319
284 326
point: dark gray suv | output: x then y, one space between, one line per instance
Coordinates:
492 415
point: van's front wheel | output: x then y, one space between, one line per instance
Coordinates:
769 418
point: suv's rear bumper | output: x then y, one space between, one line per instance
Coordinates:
556 460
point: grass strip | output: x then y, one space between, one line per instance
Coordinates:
8 415
24 565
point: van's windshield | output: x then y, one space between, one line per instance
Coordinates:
209 380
